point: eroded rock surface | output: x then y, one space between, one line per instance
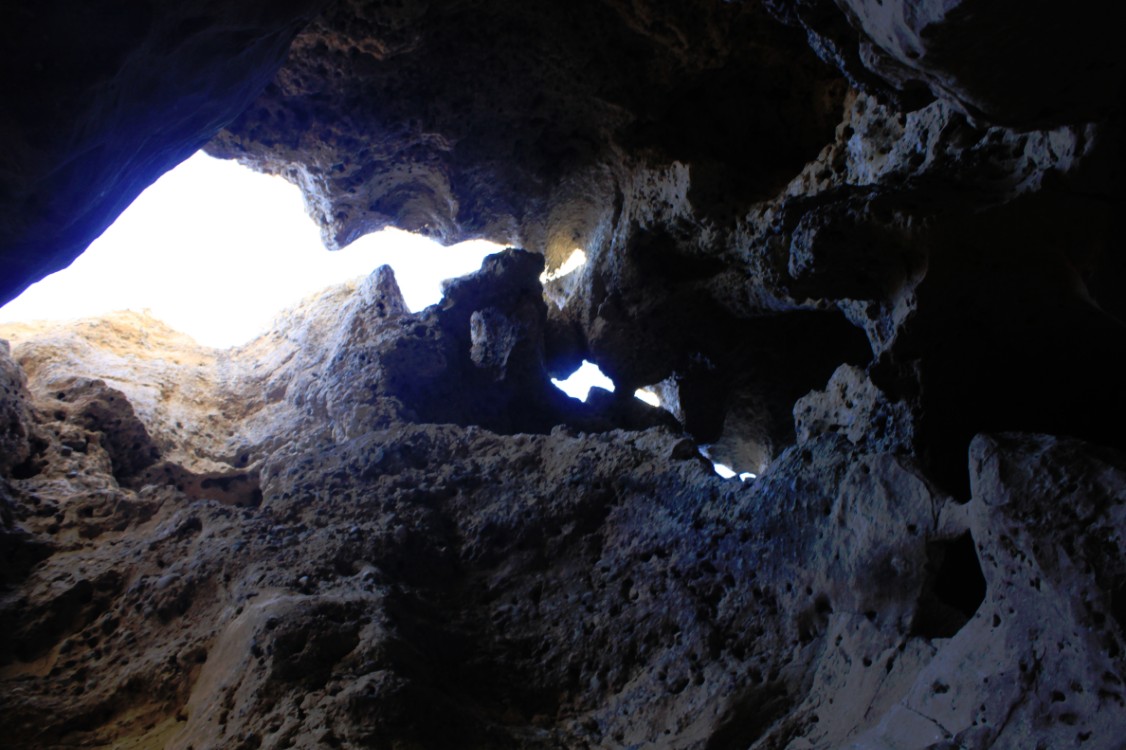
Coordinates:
869 251
561 589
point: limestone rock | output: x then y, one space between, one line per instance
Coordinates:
899 303
527 114
15 419
19 551
852 406
543 590
160 373
678 147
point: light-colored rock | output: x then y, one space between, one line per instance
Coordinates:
560 589
366 519
14 415
852 406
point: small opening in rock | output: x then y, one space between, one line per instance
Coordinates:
216 251
574 262
34 464
953 590
589 376
725 470
728 473
32 467
580 382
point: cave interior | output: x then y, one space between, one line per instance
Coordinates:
866 250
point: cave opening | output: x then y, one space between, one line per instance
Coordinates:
589 375
953 590
727 472
573 262
216 250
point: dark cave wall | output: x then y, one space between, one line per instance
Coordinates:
102 98
868 249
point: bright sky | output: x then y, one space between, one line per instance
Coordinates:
582 380
216 250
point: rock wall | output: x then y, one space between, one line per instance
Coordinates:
955 225
348 559
866 250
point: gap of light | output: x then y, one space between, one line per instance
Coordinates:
589 376
724 471
580 382
216 251
573 263
728 473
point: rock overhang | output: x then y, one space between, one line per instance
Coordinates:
848 285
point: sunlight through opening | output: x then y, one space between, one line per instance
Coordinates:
573 263
580 382
589 376
728 473
216 251
724 470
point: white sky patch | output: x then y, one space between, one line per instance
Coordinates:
580 382
724 471
573 263
728 473
588 375
216 250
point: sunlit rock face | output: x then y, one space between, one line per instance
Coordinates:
868 250
348 551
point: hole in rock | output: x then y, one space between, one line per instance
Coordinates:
580 382
726 471
32 467
574 262
588 376
216 251
953 590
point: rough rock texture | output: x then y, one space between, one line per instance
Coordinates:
536 120
559 589
962 249
868 250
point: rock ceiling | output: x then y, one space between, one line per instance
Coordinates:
869 248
